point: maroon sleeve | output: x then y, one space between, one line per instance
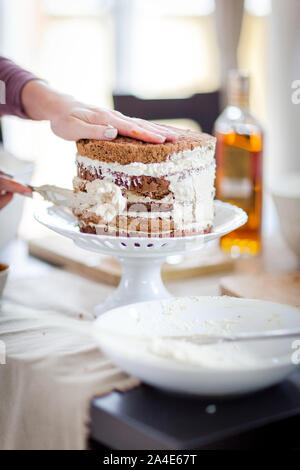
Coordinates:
12 80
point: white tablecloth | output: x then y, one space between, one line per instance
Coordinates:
51 374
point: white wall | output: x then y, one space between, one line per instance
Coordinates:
284 67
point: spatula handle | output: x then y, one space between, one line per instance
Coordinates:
12 186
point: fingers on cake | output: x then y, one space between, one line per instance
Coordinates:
138 189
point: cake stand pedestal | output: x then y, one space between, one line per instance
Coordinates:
140 281
141 258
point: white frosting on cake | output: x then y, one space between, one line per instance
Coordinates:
103 198
176 163
79 183
190 174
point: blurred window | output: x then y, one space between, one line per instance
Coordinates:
174 48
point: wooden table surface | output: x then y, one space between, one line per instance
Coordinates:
275 258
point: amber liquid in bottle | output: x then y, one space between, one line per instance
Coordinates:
239 170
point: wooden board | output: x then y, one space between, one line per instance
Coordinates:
279 287
63 252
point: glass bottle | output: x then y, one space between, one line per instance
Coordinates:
239 156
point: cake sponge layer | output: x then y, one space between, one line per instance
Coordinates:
125 150
107 230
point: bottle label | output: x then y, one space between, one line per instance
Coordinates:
236 162
236 187
236 182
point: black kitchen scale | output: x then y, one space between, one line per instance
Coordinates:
147 418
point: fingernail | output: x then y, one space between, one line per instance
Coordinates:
28 190
110 133
172 134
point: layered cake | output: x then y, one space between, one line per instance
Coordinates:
132 188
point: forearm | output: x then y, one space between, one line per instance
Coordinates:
41 102
71 119
13 78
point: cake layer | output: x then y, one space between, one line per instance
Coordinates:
185 215
190 194
107 230
185 161
135 200
151 221
132 223
125 150
147 185
154 179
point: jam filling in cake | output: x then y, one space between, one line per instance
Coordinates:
137 189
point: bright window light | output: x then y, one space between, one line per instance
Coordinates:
178 7
258 7
75 7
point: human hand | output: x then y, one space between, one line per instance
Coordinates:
80 121
9 187
73 120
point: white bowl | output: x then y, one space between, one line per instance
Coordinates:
286 195
4 270
214 370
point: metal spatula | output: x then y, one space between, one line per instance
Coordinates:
56 195
202 339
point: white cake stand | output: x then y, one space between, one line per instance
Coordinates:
141 258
